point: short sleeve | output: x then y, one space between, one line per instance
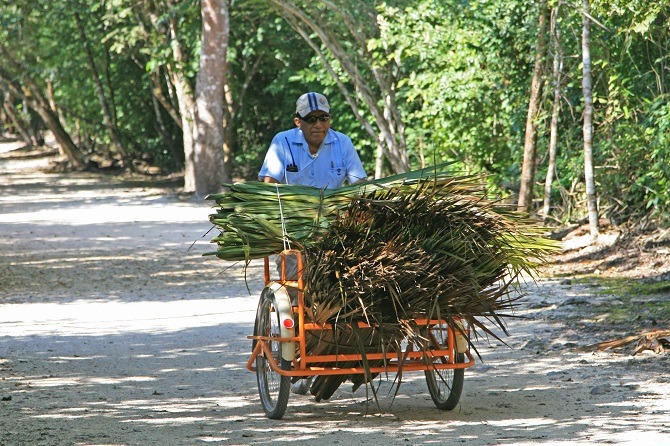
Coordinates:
273 165
355 170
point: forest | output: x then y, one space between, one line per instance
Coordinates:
563 106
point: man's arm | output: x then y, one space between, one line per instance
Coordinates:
355 171
272 170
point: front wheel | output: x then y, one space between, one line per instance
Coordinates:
273 388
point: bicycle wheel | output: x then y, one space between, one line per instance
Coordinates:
445 386
273 388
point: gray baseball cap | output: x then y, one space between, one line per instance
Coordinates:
310 102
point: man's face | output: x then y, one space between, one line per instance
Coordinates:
315 132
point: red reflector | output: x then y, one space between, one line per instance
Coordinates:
288 323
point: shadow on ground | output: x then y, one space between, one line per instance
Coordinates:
115 330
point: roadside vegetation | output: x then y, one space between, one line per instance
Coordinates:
564 107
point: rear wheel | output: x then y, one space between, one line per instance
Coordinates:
273 388
445 386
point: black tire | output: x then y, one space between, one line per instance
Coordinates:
273 388
445 386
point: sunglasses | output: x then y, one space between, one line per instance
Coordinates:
313 119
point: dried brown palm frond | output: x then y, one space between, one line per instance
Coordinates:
393 257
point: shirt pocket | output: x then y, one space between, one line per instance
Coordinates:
297 178
337 176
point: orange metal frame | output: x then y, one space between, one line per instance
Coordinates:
407 360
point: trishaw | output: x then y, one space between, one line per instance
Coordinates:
280 355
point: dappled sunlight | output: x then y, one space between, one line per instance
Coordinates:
109 213
85 381
174 421
65 359
76 262
104 318
112 325
216 395
516 423
117 268
120 380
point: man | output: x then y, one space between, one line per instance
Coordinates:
312 154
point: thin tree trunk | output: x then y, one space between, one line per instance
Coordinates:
52 104
165 135
234 106
229 116
108 83
35 127
185 101
108 119
589 175
208 137
379 161
4 119
71 150
16 120
157 92
170 105
530 141
553 138
29 92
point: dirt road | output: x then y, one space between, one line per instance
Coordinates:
114 332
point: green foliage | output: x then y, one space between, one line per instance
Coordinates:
464 80
264 57
632 110
462 70
55 54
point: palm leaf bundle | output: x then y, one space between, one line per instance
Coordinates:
426 244
256 219
392 258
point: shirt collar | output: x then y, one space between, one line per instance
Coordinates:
298 138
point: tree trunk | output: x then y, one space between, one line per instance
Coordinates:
166 136
234 106
35 127
553 138
208 137
379 161
530 142
4 119
107 113
589 175
14 117
229 116
52 104
62 136
29 92
185 101
157 93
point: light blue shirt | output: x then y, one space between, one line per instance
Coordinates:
289 161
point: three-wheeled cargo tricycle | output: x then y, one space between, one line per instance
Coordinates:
280 354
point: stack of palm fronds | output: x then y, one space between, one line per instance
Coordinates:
423 244
256 219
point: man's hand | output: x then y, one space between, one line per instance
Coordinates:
270 180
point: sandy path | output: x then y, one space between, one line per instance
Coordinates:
113 332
